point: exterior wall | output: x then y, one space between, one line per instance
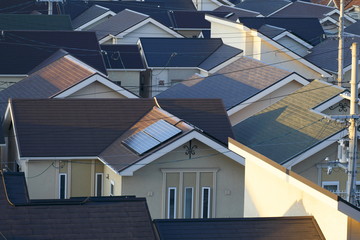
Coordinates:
204 5
7 81
129 79
232 36
264 102
148 30
111 176
166 76
293 45
271 191
81 181
228 187
96 90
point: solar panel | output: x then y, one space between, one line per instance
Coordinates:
141 142
162 130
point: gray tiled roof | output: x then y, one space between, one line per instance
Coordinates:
89 14
279 228
289 127
233 84
237 12
325 54
353 28
118 23
303 9
80 218
265 7
271 31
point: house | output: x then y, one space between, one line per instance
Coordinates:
125 66
298 133
246 86
271 190
325 56
94 15
128 26
281 228
35 22
22 51
90 218
210 5
268 49
172 60
104 147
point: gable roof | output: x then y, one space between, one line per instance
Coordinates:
185 52
122 56
34 22
90 218
290 126
90 14
236 12
313 33
24 50
44 125
280 228
325 53
234 83
265 7
303 9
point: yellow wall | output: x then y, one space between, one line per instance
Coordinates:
110 175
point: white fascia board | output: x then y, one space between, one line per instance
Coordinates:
325 143
146 21
125 70
92 79
228 3
226 22
217 2
142 54
328 104
14 128
280 9
84 65
292 77
224 64
293 37
191 135
58 158
14 75
105 39
330 19
104 15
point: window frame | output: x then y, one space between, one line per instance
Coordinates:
97 184
112 188
65 185
331 183
202 201
192 202
168 202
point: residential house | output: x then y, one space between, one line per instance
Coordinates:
280 228
22 51
125 66
325 56
246 87
105 147
128 26
298 133
268 49
30 7
91 17
87 217
172 60
271 190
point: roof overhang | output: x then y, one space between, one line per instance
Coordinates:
293 37
98 18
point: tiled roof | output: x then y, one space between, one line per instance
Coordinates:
237 12
233 84
303 9
24 50
118 23
279 228
85 127
353 28
265 7
192 19
25 7
122 56
81 218
325 54
289 127
91 13
308 29
34 22
186 52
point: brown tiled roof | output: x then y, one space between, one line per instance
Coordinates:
85 127
81 218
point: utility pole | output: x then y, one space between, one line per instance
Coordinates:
341 45
352 165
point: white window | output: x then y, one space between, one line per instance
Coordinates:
112 188
99 185
332 186
188 202
62 185
205 202
172 202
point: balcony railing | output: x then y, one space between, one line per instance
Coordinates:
343 195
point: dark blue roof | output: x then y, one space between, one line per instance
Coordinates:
353 28
265 7
308 29
232 92
192 19
24 7
22 51
16 187
178 52
122 56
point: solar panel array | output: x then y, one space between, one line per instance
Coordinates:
151 136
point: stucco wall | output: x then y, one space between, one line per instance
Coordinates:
149 181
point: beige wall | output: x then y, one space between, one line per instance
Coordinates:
149 181
271 191
96 90
129 79
110 175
